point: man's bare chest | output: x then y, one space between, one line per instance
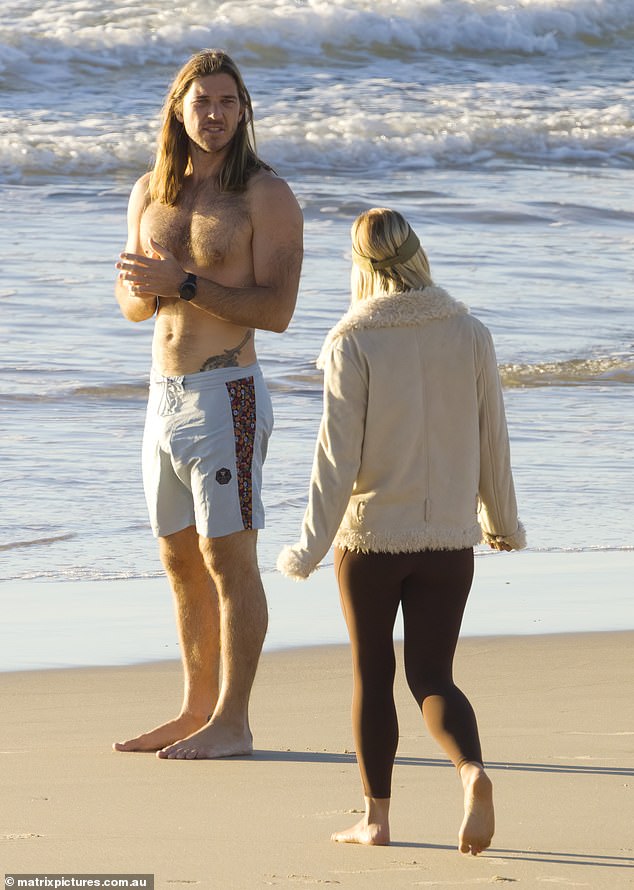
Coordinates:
210 232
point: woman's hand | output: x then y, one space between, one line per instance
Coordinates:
500 545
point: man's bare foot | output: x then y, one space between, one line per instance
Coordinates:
373 830
478 824
165 734
212 741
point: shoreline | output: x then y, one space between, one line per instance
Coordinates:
59 624
556 720
306 649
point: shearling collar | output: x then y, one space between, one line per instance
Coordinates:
412 308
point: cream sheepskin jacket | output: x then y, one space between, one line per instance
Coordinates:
413 451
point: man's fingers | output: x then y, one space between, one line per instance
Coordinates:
140 290
133 261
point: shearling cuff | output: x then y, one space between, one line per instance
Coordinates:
295 563
517 540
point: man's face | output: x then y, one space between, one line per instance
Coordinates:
211 112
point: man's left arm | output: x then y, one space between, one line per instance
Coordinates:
277 251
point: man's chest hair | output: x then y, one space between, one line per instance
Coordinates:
209 229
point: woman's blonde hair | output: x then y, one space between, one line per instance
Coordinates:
172 154
377 237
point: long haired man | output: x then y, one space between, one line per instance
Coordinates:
214 252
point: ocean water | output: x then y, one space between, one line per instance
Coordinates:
503 131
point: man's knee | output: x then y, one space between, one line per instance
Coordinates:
179 552
232 556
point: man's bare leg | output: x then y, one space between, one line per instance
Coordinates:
478 824
373 829
197 619
232 562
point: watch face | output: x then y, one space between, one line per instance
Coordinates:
187 291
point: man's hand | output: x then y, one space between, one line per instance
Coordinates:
159 275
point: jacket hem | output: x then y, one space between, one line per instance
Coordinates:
408 542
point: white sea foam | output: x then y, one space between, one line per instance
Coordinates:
614 369
459 130
367 83
38 146
129 34
400 109
43 144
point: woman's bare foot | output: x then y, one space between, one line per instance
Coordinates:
214 740
373 829
478 824
165 734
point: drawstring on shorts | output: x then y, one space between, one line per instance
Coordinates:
173 389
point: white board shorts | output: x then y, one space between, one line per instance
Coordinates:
204 445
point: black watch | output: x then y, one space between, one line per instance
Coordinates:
187 290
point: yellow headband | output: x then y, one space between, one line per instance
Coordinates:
405 252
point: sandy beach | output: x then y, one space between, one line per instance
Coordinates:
556 717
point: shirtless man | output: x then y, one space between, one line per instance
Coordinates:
214 249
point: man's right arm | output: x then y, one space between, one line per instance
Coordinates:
133 307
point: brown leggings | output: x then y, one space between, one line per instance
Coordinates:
432 589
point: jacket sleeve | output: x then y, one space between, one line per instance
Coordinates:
335 464
498 507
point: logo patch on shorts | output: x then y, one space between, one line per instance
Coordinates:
223 476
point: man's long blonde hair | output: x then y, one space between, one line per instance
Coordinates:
377 234
172 154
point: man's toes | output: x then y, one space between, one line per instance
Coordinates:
174 752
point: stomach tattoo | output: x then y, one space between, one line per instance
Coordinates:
228 358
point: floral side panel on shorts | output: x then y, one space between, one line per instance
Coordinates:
242 397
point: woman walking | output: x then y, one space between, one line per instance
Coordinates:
411 470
